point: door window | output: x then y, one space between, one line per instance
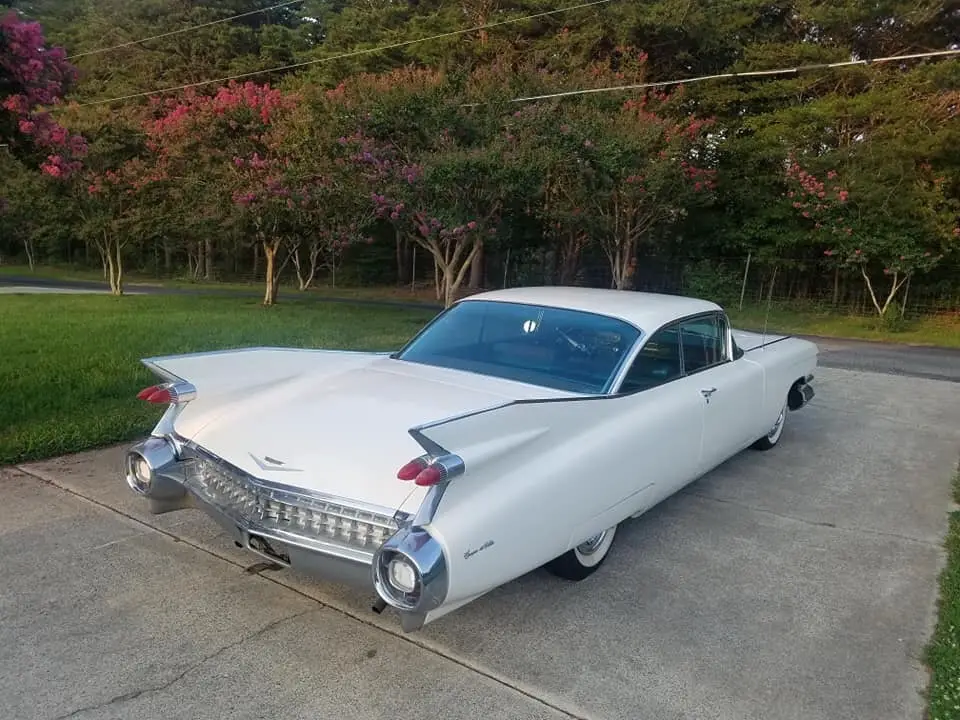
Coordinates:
704 341
657 362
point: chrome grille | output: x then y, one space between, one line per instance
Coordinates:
287 510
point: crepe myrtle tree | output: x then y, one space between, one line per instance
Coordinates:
446 202
224 146
330 216
886 251
266 201
617 176
111 206
647 178
34 77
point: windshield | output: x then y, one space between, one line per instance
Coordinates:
551 347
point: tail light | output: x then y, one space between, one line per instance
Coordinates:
427 470
168 393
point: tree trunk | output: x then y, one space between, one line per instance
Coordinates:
167 257
117 281
477 269
569 259
894 289
621 266
270 255
110 271
402 271
208 258
201 259
31 257
452 277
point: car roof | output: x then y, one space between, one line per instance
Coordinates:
648 311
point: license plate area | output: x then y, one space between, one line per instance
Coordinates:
270 549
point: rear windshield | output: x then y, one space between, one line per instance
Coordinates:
552 347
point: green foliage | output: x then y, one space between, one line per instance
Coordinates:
562 209
710 281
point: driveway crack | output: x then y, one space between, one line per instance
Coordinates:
193 666
814 523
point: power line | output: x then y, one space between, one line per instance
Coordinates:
186 29
341 56
723 76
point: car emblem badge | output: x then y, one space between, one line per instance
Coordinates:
272 464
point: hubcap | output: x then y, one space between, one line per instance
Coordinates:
591 545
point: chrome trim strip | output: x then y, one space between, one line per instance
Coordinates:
179 356
151 365
728 350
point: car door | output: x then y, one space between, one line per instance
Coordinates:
667 416
731 390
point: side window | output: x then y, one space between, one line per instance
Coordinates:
704 342
657 362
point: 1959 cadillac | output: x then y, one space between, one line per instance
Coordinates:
515 431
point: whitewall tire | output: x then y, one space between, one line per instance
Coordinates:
583 560
771 439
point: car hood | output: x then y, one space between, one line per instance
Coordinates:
344 433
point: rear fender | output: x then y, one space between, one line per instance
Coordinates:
538 474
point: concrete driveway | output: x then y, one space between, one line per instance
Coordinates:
798 583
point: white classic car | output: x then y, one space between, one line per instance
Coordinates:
515 431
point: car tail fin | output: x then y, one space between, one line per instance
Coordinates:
172 393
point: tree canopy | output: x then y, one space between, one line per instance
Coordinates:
424 160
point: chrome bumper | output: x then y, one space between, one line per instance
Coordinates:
329 538
288 526
289 553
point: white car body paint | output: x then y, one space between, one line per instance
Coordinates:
545 469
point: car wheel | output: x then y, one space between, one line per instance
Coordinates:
770 440
583 560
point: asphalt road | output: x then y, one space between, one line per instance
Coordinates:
794 584
912 361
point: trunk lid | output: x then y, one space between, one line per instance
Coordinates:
344 433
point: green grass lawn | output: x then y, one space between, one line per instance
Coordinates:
70 370
941 330
943 652
936 330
